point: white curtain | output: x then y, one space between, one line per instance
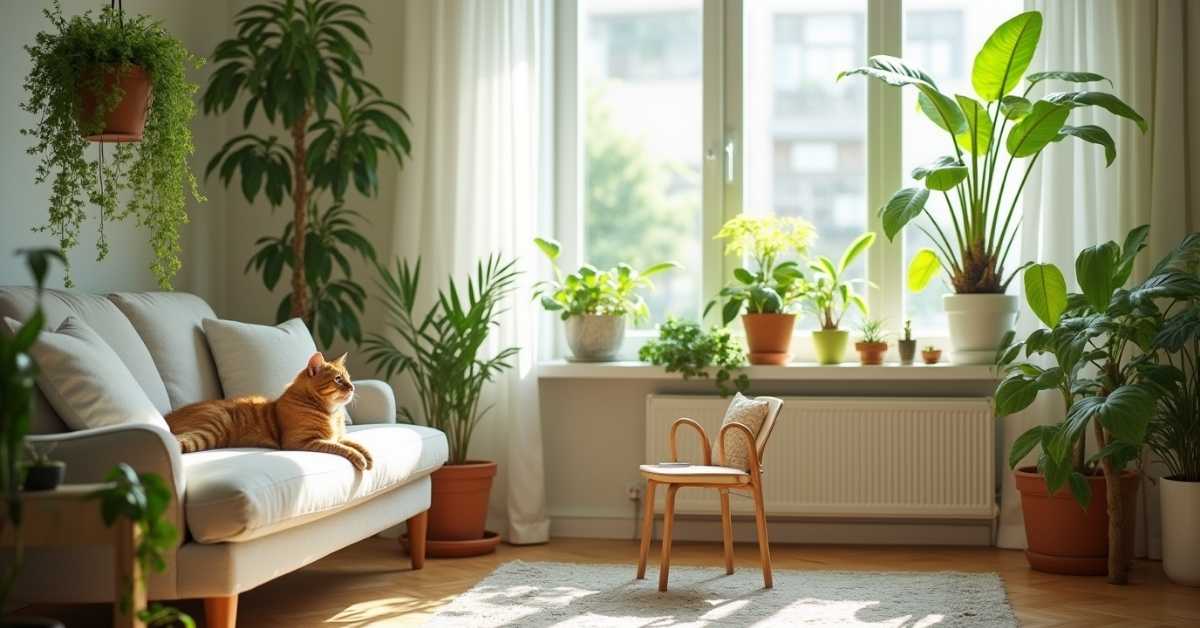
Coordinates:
475 80
1073 201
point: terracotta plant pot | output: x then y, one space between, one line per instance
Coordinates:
830 345
127 122
769 337
459 507
1063 537
908 350
932 357
871 353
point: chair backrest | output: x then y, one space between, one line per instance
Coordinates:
775 404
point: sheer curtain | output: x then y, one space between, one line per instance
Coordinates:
475 75
1073 201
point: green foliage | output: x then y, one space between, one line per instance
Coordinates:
973 248
143 500
829 295
295 62
871 330
153 174
441 349
590 291
686 348
769 286
1174 433
908 331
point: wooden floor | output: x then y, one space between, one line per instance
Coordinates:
369 584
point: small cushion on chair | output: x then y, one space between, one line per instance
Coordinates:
696 472
749 412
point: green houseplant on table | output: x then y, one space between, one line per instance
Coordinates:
295 61
685 347
1109 377
829 295
441 351
769 290
119 79
973 244
594 303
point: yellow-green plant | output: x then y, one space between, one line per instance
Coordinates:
768 286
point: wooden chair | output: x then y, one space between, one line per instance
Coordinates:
723 478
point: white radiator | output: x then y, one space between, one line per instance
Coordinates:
850 457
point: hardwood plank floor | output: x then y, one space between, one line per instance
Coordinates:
370 584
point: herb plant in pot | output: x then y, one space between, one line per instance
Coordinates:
830 295
594 304
770 289
1109 377
971 245
441 350
873 344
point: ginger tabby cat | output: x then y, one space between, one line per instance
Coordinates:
308 416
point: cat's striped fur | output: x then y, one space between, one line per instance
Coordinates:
308 416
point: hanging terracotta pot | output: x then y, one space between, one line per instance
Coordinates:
458 511
127 121
769 337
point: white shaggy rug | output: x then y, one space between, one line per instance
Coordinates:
560 594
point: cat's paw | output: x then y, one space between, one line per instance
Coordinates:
359 462
366 455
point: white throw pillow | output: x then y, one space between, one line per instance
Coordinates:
258 359
84 380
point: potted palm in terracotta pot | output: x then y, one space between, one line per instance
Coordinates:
441 350
829 294
1109 379
971 243
594 304
767 292
872 344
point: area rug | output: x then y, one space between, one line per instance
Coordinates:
559 594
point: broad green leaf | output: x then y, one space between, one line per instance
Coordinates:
743 275
1064 75
661 267
942 174
940 108
904 205
1108 101
856 248
1005 56
550 248
1095 270
979 126
1037 129
900 66
1015 394
1094 134
1135 241
1025 444
1125 412
1046 292
1081 490
1015 107
921 269
1168 285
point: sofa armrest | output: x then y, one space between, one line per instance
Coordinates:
91 454
374 402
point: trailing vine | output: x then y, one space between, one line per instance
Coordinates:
152 176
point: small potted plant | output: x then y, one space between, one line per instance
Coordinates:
594 304
907 345
685 347
767 292
830 295
42 473
931 355
873 344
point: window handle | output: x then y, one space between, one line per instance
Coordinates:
729 161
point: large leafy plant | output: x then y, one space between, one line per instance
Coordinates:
770 284
441 349
686 348
295 61
829 294
589 290
1175 431
152 176
1104 367
974 247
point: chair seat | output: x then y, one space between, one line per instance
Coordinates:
695 473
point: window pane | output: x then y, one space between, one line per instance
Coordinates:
641 84
941 37
805 133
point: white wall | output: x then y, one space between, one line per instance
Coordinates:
23 206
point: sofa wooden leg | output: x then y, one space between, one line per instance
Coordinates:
220 612
417 527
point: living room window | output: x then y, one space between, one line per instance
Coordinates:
676 115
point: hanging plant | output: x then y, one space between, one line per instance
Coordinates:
85 71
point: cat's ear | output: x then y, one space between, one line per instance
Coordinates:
341 360
315 363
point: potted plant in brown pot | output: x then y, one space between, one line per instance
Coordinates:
830 295
931 355
441 351
1109 378
907 345
768 291
873 344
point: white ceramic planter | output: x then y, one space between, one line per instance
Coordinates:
978 323
1181 530
595 338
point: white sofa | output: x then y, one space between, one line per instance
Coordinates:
247 515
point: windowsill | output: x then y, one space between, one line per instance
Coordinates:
849 371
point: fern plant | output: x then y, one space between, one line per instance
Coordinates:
295 62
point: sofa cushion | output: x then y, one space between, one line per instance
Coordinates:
169 325
106 320
258 359
242 494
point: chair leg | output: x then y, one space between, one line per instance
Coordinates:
647 529
727 530
664 567
220 612
764 546
418 525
